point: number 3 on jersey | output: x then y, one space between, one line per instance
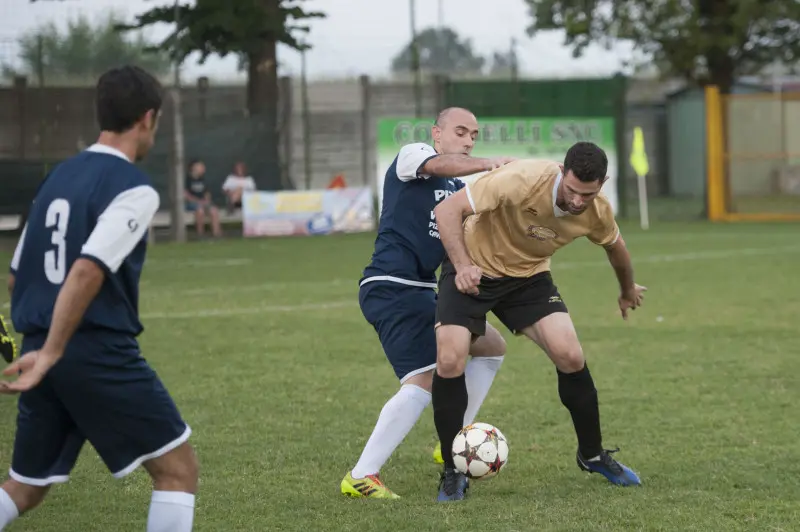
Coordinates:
57 218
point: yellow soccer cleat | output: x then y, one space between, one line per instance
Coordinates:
8 348
370 486
437 453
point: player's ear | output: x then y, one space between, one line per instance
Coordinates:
436 133
603 182
561 167
149 119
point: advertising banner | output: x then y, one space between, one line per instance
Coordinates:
313 212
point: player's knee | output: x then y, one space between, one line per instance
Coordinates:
177 470
25 496
452 349
450 362
569 358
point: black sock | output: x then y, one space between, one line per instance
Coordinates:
579 395
449 398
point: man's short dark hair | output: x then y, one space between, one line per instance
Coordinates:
587 162
124 95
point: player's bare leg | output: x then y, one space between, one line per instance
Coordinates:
488 353
402 411
17 498
450 400
175 476
557 337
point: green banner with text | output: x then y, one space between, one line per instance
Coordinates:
531 138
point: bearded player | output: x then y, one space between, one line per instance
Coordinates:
397 293
499 261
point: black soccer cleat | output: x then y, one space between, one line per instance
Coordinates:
453 485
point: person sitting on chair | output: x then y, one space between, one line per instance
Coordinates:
198 199
236 185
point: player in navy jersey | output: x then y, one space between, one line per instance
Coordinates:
397 291
74 288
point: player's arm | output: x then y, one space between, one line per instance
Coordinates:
119 229
620 260
606 234
420 161
506 186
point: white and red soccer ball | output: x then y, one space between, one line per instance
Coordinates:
480 451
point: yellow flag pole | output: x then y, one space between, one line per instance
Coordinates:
640 165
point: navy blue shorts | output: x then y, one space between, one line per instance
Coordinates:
102 391
403 316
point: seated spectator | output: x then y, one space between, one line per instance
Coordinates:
198 199
236 184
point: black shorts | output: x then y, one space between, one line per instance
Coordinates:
517 302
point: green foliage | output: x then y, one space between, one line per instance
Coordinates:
441 51
223 27
704 41
82 51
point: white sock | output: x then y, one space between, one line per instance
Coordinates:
397 418
480 373
8 510
171 511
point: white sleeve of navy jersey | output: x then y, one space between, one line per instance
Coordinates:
411 159
18 251
121 226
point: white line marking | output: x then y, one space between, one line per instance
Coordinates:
306 307
557 266
163 264
249 310
684 257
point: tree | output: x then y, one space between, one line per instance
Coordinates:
703 41
441 51
82 52
250 29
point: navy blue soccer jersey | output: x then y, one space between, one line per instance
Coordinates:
95 205
408 249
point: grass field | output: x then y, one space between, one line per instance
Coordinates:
264 348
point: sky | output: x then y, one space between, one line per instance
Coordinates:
357 37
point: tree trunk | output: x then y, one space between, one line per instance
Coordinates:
721 67
721 71
262 103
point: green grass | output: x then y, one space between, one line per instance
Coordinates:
282 381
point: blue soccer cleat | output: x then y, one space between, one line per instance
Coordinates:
453 485
615 472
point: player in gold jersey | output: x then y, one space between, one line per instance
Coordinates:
498 260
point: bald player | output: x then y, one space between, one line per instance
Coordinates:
517 217
397 292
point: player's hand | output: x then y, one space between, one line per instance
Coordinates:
497 162
468 278
631 299
31 369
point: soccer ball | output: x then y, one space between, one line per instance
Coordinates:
480 451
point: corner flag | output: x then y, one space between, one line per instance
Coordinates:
642 168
